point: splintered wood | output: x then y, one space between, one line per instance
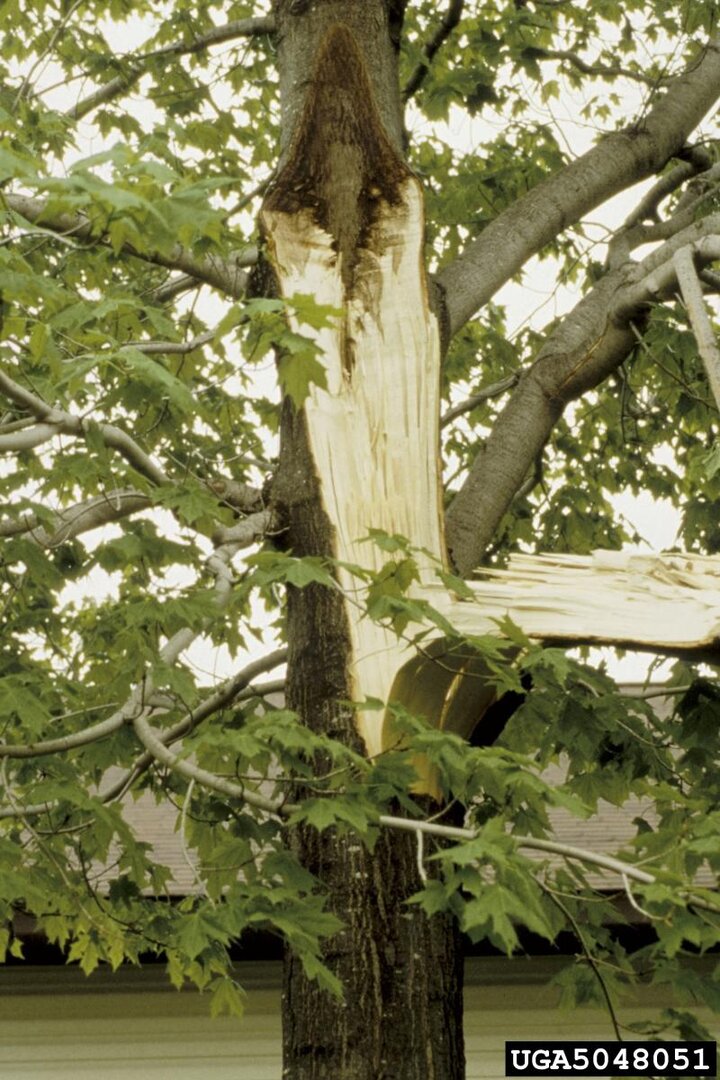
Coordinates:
344 222
668 602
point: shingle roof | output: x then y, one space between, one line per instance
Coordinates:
606 832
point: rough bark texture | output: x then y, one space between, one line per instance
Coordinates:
401 1017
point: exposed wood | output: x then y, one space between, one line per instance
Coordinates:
344 222
373 434
666 603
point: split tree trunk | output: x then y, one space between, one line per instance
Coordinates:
344 223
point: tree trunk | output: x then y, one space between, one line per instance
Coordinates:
344 222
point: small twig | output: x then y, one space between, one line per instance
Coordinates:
421 857
183 842
491 391
171 735
711 278
668 691
46 52
592 961
633 902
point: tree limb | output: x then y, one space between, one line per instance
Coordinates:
696 160
590 343
226 275
222 697
699 320
494 390
189 723
618 161
58 421
603 70
251 27
55 421
448 23
684 215
163 294
77 519
552 847
155 746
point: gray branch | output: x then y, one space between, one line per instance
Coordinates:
697 313
493 390
240 792
83 517
589 344
226 275
618 161
59 422
225 695
605 71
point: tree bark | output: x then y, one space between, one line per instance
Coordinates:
343 221
620 160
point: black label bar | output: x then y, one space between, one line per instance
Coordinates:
611 1059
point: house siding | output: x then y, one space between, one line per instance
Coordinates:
56 1025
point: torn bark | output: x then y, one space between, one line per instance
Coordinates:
344 221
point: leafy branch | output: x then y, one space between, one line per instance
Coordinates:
137 63
617 161
448 23
226 274
603 71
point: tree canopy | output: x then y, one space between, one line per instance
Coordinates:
144 363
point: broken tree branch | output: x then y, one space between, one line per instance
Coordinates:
691 290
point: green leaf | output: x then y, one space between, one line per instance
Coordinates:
227 998
298 372
152 373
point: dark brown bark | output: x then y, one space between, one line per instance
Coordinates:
401 1017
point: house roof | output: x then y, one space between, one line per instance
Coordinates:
606 832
